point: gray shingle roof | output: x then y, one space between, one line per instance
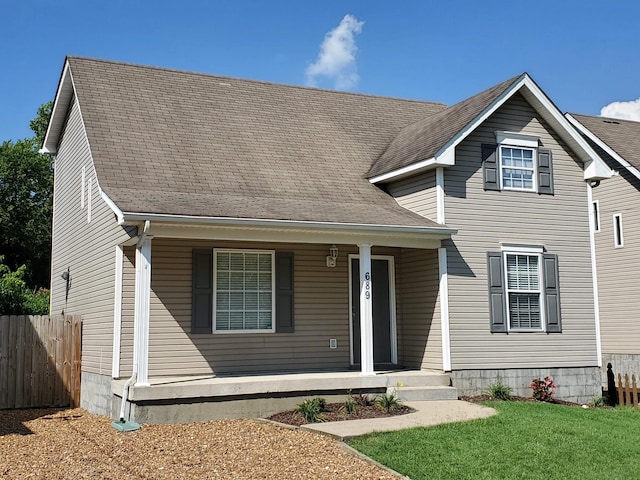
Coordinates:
181 143
424 138
622 136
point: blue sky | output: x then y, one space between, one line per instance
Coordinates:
584 54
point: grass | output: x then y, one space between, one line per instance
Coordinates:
524 441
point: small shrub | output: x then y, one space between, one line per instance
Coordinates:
388 401
543 390
311 409
598 402
350 404
364 400
500 391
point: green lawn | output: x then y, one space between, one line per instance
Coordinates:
525 440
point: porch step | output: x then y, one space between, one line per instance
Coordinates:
407 394
417 378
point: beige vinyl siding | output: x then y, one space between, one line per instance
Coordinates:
486 219
322 310
417 193
618 268
86 248
419 310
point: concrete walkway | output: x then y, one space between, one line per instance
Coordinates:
432 412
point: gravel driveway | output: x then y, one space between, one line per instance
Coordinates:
73 444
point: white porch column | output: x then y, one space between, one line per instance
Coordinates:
141 316
444 308
366 311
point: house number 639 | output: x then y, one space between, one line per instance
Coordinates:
367 285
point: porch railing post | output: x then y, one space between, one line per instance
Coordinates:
141 316
366 311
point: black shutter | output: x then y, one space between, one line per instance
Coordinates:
284 292
545 172
202 287
495 277
490 166
552 293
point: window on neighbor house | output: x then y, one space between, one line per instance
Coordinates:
517 162
523 291
618 239
596 216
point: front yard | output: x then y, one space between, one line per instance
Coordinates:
73 444
524 441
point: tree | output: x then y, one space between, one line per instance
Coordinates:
26 198
16 298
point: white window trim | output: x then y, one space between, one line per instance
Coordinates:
518 140
534 176
617 242
533 252
595 211
273 290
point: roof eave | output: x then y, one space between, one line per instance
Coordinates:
595 139
64 93
293 231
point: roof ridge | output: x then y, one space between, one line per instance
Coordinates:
252 81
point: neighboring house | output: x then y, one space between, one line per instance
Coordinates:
615 207
233 244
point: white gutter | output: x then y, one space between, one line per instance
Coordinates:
594 274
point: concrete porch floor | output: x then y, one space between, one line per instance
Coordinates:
279 384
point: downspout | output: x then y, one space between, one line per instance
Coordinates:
134 375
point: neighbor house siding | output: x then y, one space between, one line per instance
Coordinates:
419 309
417 193
487 219
618 268
86 248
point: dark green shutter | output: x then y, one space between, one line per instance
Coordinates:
490 167
545 172
495 277
552 293
284 292
202 287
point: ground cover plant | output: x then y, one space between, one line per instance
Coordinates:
525 440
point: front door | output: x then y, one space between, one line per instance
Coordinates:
383 334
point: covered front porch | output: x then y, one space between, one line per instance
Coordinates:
365 309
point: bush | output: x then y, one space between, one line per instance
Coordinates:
598 402
15 296
500 391
388 402
543 390
350 404
311 409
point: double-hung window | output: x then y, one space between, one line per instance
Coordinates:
517 168
244 291
524 294
517 162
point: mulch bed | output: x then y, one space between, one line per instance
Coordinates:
335 412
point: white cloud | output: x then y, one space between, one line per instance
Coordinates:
337 57
624 110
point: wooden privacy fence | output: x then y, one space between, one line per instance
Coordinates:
627 392
40 361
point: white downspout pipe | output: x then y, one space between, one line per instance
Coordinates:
134 374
